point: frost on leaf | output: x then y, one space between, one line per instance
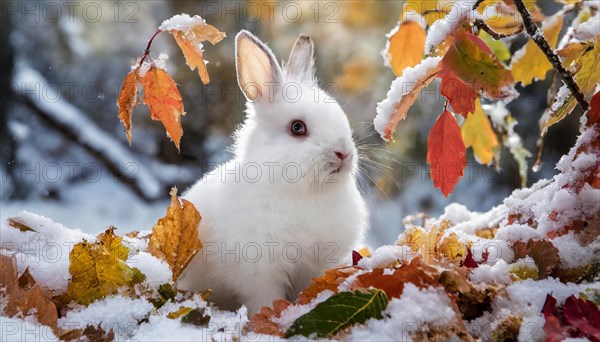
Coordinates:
22 297
128 100
189 33
403 94
175 236
530 64
98 268
446 153
165 102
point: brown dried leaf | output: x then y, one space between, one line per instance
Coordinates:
328 281
23 301
175 236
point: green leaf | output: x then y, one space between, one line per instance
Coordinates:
338 312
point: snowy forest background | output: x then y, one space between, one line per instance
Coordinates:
60 60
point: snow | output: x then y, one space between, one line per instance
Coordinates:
181 22
157 271
590 29
45 251
386 256
562 96
17 330
119 313
399 86
413 311
491 274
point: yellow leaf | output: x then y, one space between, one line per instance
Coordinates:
530 63
164 100
498 47
183 310
175 236
405 46
572 52
477 133
365 252
413 237
128 100
587 77
452 249
97 269
190 38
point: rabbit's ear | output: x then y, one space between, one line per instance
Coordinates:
301 64
257 69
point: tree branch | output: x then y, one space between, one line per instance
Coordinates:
538 37
480 24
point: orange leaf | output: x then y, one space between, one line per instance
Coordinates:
128 100
405 46
446 153
189 33
328 281
415 272
164 100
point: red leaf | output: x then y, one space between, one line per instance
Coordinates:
356 258
593 115
549 307
446 153
583 315
469 261
460 95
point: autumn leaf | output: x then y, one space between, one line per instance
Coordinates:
477 133
262 321
338 312
128 100
530 64
446 153
572 52
593 115
98 269
175 236
452 249
189 37
415 272
473 62
22 297
403 94
587 76
431 10
542 252
164 100
330 280
405 46
460 94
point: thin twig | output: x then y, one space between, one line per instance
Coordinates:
538 37
147 51
480 24
477 4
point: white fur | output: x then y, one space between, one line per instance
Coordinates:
299 225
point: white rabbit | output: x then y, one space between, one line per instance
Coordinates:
287 205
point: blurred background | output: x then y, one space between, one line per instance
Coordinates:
65 155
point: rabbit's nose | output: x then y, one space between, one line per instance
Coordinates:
342 155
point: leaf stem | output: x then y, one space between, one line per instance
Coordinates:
538 37
147 51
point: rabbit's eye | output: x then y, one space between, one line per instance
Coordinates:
298 127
